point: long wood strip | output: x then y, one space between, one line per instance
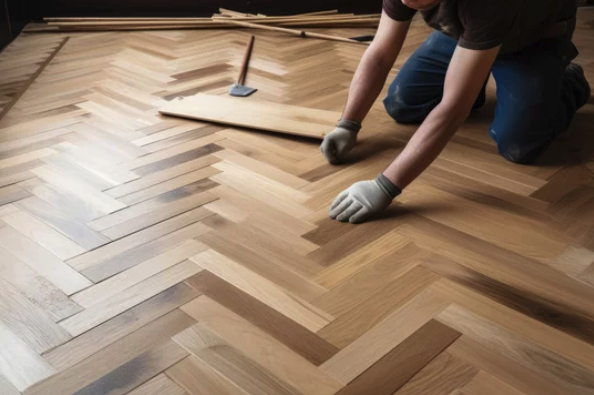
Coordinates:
55 270
19 363
203 343
262 348
296 337
263 290
270 117
110 307
377 342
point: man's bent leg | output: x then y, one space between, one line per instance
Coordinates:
537 97
418 87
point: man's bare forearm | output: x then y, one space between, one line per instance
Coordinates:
372 72
425 145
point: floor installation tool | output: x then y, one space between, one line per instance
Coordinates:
239 89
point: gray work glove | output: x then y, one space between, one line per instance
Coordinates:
363 200
340 141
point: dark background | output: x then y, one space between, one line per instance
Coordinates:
14 14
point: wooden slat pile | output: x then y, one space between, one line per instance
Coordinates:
322 19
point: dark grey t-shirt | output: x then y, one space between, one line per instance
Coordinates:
484 24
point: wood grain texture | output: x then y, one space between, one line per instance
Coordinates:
270 117
262 348
93 341
358 356
478 280
41 261
403 362
442 376
19 363
128 298
263 290
296 337
160 385
196 378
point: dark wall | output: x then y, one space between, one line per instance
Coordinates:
173 8
5 34
15 14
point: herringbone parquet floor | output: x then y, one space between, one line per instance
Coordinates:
154 256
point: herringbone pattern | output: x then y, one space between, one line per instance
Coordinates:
157 256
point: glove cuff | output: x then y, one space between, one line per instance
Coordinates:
351 126
388 187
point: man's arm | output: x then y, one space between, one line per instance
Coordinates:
466 75
374 67
366 86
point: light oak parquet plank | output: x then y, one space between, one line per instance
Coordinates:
7 388
20 364
44 235
442 376
261 264
41 261
296 337
162 176
76 231
571 348
85 193
111 358
358 356
231 363
111 250
32 324
138 370
102 336
403 362
485 384
128 298
160 385
35 288
112 286
197 378
262 348
264 116
369 310
540 360
503 368
263 290
134 256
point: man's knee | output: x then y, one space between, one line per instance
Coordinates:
515 148
398 106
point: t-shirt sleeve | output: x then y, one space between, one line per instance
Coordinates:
486 23
398 11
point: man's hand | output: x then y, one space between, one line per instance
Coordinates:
363 200
338 143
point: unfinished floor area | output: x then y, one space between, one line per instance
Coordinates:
148 255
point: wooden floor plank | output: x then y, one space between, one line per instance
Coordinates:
100 337
19 363
403 362
442 376
41 261
262 348
229 362
110 307
358 356
160 385
296 337
263 290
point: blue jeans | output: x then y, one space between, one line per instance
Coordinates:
536 97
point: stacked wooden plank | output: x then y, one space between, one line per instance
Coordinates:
323 19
